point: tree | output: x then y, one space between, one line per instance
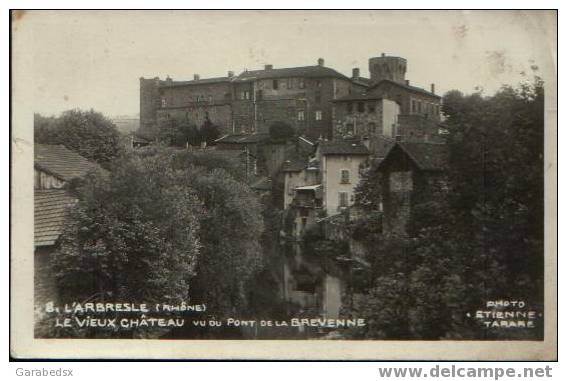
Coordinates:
281 131
88 133
231 229
209 132
477 238
133 236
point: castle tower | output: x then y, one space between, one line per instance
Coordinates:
387 67
149 103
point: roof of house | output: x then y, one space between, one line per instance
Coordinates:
361 81
309 187
296 159
50 211
243 138
426 155
262 184
343 147
302 71
415 89
61 162
204 81
358 97
296 164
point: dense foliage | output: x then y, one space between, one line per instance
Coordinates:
478 237
156 229
177 134
281 131
88 133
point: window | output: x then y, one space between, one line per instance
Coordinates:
371 107
419 107
343 199
302 83
360 107
413 106
290 83
345 176
318 115
210 99
301 115
317 96
163 102
318 83
259 94
245 95
275 84
349 108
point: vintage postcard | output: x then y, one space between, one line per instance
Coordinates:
308 185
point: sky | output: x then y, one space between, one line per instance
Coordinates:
94 59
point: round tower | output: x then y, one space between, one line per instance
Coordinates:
387 67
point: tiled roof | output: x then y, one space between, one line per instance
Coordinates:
50 211
415 89
61 162
295 159
344 147
427 156
358 97
361 81
303 71
294 165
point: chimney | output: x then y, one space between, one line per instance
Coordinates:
168 80
321 62
355 73
407 82
230 74
432 88
268 67
196 77
383 54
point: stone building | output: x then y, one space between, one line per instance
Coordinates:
249 102
409 172
388 108
300 96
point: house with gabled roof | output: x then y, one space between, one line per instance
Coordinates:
340 165
409 172
55 167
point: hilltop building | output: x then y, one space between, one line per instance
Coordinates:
317 101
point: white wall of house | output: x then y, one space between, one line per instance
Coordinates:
333 184
43 180
293 180
390 112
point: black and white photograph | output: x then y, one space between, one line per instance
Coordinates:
340 178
